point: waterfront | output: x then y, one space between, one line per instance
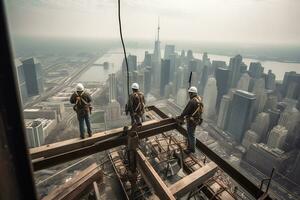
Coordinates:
97 73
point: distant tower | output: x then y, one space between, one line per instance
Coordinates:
203 80
209 98
21 81
181 97
222 76
33 76
270 81
132 62
235 70
223 112
169 50
112 87
256 70
291 85
243 83
277 137
165 76
261 125
261 95
147 80
241 114
157 59
35 133
179 78
250 138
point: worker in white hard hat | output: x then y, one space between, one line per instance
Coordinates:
193 115
83 108
136 105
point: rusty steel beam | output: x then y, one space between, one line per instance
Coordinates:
250 187
193 180
152 178
72 144
146 131
76 187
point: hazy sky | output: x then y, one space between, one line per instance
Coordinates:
249 21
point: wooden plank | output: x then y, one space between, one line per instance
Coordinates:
193 180
74 188
152 178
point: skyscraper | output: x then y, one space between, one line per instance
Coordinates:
243 83
203 80
21 81
189 55
210 98
291 85
169 50
112 87
235 70
256 70
241 114
222 76
277 137
165 76
147 76
181 97
250 138
261 95
261 125
270 80
35 133
132 62
147 59
218 64
156 59
224 112
33 76
179 78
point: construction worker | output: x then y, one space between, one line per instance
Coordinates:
193 114
82 101
136 105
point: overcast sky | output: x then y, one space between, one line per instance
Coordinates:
246 21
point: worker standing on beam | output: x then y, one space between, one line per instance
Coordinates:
193 114
136 105
82 107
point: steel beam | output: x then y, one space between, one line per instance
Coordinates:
152 178
77 185
250 187
98 145
193 180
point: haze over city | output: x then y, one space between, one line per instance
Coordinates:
229 21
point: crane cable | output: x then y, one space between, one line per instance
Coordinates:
123 45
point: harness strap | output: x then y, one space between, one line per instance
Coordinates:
198 99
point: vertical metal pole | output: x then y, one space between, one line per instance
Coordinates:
16 180
132 146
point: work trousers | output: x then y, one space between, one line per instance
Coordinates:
84 118
191 128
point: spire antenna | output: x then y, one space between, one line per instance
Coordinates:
158 28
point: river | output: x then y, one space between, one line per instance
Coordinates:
114 57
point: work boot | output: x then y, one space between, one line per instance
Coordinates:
82 137
187 151
90 134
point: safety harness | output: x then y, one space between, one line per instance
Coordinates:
199 110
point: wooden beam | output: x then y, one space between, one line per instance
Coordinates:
75 188
190 182
152 178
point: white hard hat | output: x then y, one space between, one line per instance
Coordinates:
193 89
79 87
135 86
